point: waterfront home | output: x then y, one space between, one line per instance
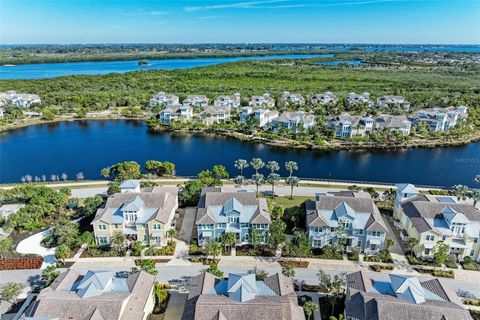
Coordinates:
240 297
393 123
228 101
24 100
431 219
144 216
350 215
354 99
264 116
393 103
2 116
174 112
226 211
215 114
131 185
8 209
324 98
293 98
294 121
264 101
96 295
440 119
164 99
348 126
401 297
196 101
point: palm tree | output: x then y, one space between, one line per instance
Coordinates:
309 307
241 164
118 239
272 178
171 233
214 248
288 271
292 181
291 166
475 196
257 178
239 181
257 164
461 191
412 242
389 242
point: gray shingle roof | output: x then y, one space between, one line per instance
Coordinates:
202 305
62 300
159 202
364 302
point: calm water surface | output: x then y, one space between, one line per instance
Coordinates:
89 146
51 70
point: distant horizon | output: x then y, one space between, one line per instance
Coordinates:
440 22
242 43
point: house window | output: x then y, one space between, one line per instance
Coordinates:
376 233
145 238
102 241
430 237
359 243
221 225
475 240
156 226
117 226
472 253
102 227
317 243
245 238
233 219
144 226
244 225
157 240
444 238
427 252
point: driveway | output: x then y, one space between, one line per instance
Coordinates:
175 306
396 251
31 245
187 225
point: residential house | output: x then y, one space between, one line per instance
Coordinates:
23 100
241 297
354 99
96 295
347 126
431 219
264 116
164 99
215 114
294 120
175 111
393 123
324 98
352 215
226 211
8 209
264 101
293 98
2 116
440 119
131 185
144 216
401 297
393 103
228 101
196 101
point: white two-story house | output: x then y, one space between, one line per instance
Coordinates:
195 101
293 98
163 99
175 111
228 101
351 215
294 121
227 211
324 98
264 101
264 116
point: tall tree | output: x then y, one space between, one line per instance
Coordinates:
257 164
292 181
310 307
461 191
256 237
277 233
239 181
171 233
440 253
291 166
334 286
241 164
412 242
288 271
273 177
257 179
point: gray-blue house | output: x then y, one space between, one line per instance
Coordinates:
352 215
220 212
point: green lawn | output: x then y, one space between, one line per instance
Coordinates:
286 202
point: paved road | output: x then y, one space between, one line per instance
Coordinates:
176 273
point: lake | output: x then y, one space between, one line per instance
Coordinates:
51 70
89 146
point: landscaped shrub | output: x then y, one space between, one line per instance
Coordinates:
420 262
371 258
104 251
451 262
353 256
195 250
469 264
380 267
168 250
472 302
328 252
444 274
161 297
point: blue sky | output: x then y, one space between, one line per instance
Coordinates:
196 21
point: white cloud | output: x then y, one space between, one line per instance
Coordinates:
239 5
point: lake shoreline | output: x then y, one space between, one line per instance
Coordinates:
337 145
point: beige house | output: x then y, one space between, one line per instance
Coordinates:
140 214
431 219
96 295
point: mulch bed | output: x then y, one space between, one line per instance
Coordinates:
295 264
